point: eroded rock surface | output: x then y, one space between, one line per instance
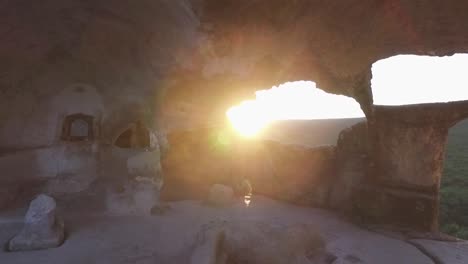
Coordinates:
352 164
407 148
443 252
42 227
259 243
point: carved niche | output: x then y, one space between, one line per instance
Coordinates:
78 127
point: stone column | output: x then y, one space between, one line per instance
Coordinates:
407 153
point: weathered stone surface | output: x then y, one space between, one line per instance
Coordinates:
259 243
218 57
42 228
168 239
443 252
351 167
160 209
68 48
133 197
145 164
220 195
297 174
8 195
406 147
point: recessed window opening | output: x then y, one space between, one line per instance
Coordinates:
412 79
78 127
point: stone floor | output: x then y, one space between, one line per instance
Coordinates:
97 237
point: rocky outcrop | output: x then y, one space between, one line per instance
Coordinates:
198 159
42 227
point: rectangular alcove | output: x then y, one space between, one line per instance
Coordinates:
78 127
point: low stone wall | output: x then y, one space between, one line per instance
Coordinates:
199 158
352 164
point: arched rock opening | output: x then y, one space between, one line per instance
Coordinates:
135 136
293 157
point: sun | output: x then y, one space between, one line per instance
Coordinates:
247 118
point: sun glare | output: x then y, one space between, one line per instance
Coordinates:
247 118
292 100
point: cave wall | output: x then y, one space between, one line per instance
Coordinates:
172 64
109 60
119 51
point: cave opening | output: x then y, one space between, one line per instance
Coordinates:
414 79
453 217
439 84
295 113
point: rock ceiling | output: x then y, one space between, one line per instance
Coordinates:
231 45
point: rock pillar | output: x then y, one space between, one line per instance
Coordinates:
407 153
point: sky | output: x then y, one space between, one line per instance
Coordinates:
398 80
411 79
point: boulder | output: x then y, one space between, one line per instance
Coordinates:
42 228
220 195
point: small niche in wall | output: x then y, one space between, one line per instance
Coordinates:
135 136
78 127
